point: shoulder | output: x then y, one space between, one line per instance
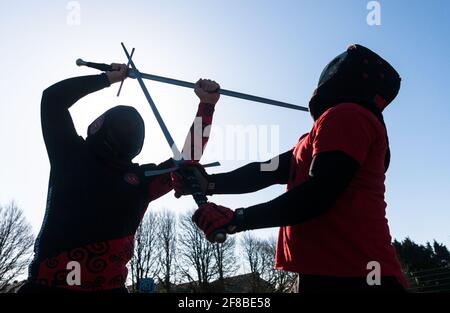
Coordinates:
347 127
351 116
351 112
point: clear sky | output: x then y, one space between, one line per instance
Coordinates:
275 49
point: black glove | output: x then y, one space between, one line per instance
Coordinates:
182 188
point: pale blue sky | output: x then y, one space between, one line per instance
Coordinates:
275 49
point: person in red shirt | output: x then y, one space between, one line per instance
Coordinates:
332 217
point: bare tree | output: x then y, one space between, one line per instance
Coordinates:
260 258
225 258
196 255
255 259
167 240
281 281
16 242
144 261
253 249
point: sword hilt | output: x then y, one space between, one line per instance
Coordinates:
220 235
99 66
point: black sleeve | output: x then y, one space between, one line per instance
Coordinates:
251 177
330 174
57 125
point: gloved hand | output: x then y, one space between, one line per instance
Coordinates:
181 187
207 91
211 217
119 73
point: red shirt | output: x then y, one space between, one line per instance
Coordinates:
355 230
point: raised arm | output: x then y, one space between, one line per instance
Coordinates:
196 139
198 135
59 132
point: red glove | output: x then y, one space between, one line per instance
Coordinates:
211 217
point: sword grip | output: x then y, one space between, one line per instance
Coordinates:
220 235
192 181
99 66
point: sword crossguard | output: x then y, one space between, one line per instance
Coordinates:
199 197
128 66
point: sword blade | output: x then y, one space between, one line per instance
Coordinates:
198 195
225 92
176 152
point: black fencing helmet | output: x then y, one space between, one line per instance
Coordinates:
358 74
361 76
117 135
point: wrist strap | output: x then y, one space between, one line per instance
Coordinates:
238 220
210 188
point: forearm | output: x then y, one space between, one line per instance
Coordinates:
298 205
330 174
57 125
159 185
64 94
198 135
252 177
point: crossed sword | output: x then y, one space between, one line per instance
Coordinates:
199 196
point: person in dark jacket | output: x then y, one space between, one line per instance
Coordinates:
97 196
